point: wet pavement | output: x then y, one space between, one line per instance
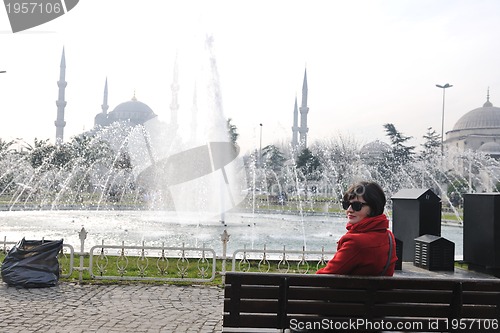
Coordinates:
70 307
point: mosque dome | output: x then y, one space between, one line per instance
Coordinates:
487 116
133 111
477 129
374 150
491 148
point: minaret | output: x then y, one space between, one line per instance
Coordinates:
174 105
105 106
101 119
304 109
61 103
295 127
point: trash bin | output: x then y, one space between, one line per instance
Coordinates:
32 264
415 212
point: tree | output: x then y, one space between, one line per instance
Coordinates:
123 161
308 164
232 130
273 158
87 150
401 154
431 144
5 147
41 153
273 162
456 190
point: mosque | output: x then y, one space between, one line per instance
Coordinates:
131 112
135 112
477 130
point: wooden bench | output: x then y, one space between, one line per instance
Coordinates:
261 301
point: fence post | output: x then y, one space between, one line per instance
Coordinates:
83 235
224 239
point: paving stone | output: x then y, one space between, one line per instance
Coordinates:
136 308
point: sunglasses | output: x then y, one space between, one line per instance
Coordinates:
356 205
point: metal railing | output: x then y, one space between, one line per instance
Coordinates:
203 258
177 263
283 261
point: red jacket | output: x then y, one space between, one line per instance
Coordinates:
364 249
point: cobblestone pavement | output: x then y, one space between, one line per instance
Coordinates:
70 307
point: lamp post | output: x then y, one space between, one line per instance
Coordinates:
260 147
442 117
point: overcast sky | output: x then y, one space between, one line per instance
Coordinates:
368 63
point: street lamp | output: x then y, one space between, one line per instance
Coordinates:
442 117
260 147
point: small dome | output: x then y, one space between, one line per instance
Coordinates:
374 149
100 119
376 146
487 116
492 148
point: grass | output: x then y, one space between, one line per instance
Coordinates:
134 267
137 267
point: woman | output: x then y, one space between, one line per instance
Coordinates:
368 247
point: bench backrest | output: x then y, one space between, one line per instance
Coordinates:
272 300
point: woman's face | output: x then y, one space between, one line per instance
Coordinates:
354 216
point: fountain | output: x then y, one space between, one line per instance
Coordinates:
56 202
148 183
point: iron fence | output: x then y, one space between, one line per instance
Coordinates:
156 268
177 263
282 261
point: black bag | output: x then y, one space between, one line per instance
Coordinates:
32 263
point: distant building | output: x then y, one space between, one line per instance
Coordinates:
374 152
491 148
477 130
299 134
131 112
61 103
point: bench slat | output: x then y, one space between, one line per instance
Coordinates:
254 278
308 293
481 297
357 295
490 285
249 321
260 292
480 311
413 296
413 310
256 306
326 309
359 282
